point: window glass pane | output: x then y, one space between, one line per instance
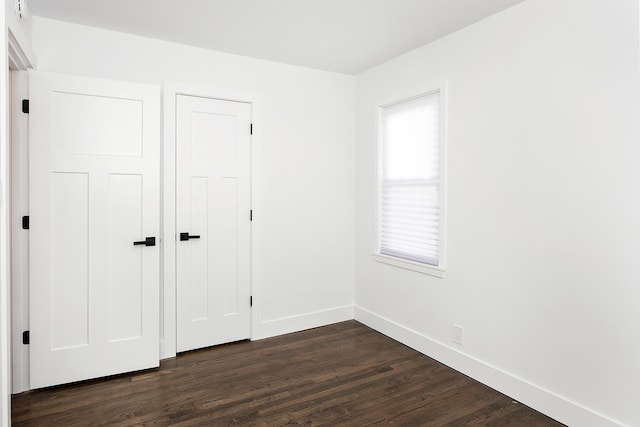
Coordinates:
410 221
411 133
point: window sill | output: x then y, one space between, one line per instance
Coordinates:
410 265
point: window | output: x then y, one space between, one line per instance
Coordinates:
410 207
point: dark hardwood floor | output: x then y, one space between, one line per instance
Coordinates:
343 374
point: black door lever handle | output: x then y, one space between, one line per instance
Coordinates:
186 236
149 241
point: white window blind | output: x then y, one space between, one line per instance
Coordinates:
410 187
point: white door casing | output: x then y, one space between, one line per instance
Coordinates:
94 190
213 201
19 237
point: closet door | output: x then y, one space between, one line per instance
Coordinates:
95 221
212 219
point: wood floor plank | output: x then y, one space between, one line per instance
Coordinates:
338 375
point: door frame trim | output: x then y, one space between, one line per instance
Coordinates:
15 55
19 238
168 300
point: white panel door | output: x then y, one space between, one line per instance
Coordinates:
212 221
94 191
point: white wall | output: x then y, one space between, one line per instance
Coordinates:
543 208
307 157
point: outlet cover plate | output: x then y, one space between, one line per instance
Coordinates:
458 334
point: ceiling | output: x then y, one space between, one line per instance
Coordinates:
346 36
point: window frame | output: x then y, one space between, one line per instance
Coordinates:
431 270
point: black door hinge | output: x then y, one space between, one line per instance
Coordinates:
25 222
251 215
251 301
251 128
25 106
25 337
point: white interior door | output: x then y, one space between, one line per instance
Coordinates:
94 191
212 221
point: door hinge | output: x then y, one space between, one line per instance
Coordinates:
25 337
251 215
25 106
251 301
251 128
25 222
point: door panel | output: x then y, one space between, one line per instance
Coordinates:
94 190
229 246
111 126
213 202
69 287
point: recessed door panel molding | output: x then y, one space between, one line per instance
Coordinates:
229 232
213 200
112 126
69 268
224 126
94 191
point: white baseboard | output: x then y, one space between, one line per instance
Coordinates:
286 325
536 397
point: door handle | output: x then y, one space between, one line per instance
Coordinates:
149 241
186 236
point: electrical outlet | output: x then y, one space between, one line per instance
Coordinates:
458 334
